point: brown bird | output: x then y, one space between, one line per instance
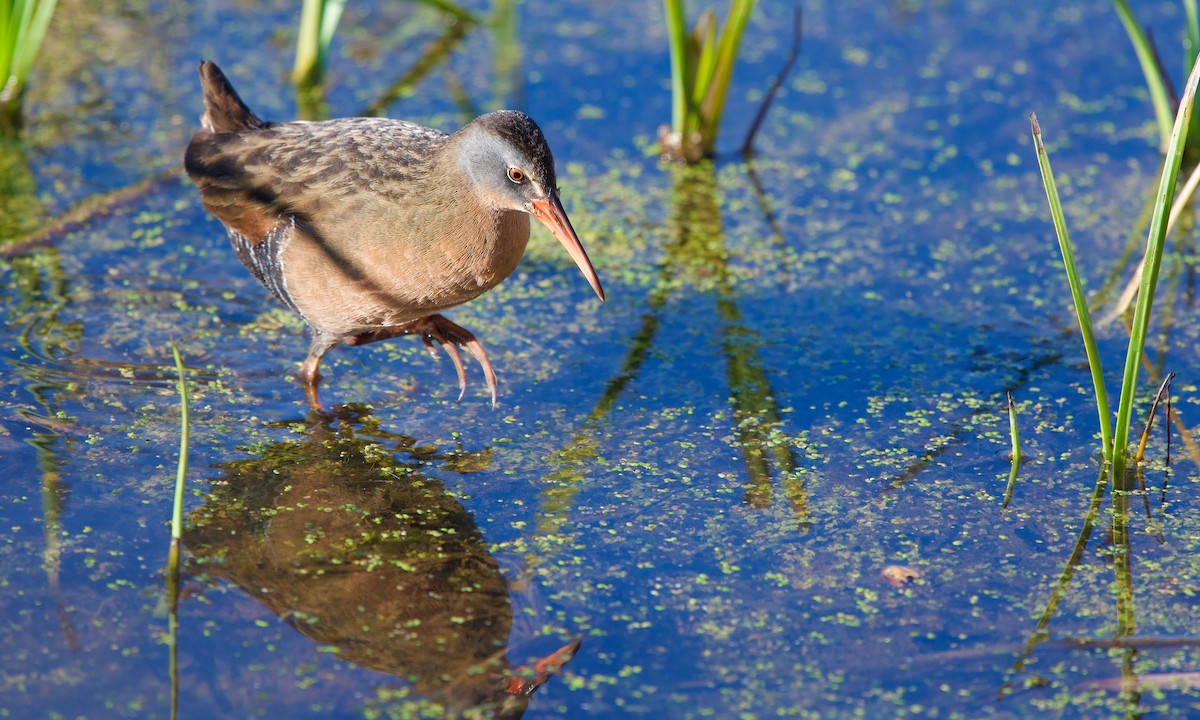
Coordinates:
369 227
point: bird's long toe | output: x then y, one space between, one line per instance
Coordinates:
451 350
451 336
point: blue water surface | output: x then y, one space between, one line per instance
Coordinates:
795 390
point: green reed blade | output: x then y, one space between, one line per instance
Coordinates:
705 38
677 40
1154 249
7 46
308 42
22 30
33 31
1191 49
1077 294
1191 38
318 23
1155 83
727 53
331 15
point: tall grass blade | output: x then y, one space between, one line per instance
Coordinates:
35 21
704 55
307 43
23 26
1154 249
727 52
1077 294
318 22
1191 38
331 15
1155 82
678 43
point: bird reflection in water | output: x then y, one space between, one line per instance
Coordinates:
341 534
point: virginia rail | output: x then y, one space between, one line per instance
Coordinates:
369 227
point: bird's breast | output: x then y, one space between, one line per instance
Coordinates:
407 267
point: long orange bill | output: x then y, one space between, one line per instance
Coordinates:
552 215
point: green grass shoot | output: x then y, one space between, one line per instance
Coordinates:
1115 435
702 65
184 441
1014 437
23 25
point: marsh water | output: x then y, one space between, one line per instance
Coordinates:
764 479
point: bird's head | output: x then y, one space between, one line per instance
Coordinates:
507 160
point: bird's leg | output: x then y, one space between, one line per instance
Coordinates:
524 683
450 336
310 370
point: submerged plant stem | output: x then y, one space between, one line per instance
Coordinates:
173 555
88 210
1039 634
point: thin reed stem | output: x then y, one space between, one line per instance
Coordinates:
184 442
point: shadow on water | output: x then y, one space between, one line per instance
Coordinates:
437 52
20 211
358 549
457 23
695 263
42 335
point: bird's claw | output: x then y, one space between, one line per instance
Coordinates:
434 334
433 329
451 336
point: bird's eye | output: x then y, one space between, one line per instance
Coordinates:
517 175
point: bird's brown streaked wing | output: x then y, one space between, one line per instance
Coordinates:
249 180
246 202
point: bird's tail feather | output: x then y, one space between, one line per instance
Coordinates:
224 111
